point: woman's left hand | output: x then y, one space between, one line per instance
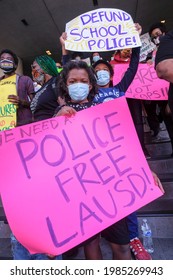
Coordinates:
157 181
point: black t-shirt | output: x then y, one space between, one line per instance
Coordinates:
82 106
165 49
170 97
45 102
77 106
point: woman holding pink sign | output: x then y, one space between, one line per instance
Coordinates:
77 85
104 71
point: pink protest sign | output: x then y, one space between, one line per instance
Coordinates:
146 85
64 180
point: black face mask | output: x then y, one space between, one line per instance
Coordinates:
7 66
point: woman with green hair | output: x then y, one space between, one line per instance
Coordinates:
44 72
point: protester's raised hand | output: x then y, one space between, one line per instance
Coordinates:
62 38
138 28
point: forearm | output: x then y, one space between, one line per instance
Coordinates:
131 71
65 59
134 62
23 103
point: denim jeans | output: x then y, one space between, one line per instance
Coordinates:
19 252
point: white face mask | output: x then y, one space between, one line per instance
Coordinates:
96 58
103 77
78 91
78 58
156 40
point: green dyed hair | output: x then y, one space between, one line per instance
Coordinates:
47 64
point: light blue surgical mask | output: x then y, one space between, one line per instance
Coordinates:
78 91
96 58
103 77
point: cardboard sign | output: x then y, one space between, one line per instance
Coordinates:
7 109
146 85
147 46
68 179
101 30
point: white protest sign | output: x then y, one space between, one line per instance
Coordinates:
102 30
147 46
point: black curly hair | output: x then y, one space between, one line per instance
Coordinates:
12 54
159 25
62 84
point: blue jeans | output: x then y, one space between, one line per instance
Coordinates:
19 252
132 224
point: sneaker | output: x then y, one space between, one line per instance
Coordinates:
162 126
138 250
160 137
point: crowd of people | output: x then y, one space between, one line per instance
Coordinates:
64 89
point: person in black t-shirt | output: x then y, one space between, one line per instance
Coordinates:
45 101
164 58
164 64
159 37
77 85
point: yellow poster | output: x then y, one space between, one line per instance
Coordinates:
7 109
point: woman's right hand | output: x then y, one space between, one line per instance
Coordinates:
157 181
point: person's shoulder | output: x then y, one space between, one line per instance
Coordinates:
2 77
170 34
167 37
24 79
112 62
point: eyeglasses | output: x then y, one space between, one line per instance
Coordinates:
33 68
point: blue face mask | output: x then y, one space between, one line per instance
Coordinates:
78 91
96 58
103 77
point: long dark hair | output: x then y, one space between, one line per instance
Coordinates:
62 84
